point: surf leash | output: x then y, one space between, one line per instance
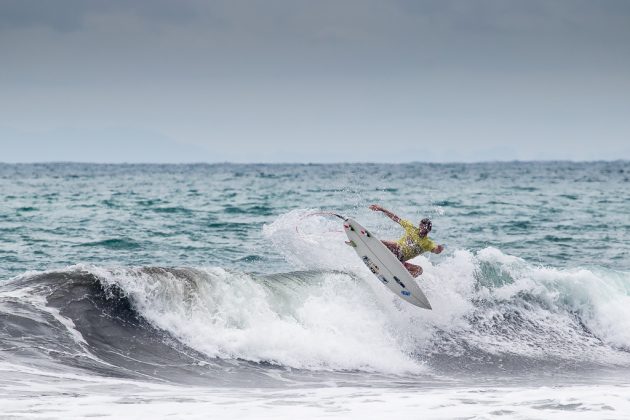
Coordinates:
327 213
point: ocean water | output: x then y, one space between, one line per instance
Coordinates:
199 291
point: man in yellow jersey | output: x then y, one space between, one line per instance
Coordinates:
414 242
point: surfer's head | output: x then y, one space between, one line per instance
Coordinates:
425 226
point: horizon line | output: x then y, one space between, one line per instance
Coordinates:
58 162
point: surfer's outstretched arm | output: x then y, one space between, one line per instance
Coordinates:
388 213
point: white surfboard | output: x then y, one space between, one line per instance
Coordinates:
387 268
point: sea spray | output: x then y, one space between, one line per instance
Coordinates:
485 302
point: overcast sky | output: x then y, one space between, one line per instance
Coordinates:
314 81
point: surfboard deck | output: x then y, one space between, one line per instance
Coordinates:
385 266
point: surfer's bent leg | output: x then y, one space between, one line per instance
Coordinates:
414 270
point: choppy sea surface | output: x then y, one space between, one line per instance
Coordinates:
199 291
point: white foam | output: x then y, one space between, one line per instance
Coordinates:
601 298
123 400
332 324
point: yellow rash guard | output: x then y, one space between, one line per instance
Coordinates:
411 244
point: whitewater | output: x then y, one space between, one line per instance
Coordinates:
221 290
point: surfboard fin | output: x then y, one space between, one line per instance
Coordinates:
351 243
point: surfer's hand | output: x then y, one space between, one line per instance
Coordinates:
375 207
438 249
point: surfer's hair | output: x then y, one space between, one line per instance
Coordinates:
426 222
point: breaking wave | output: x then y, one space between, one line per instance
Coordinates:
491 311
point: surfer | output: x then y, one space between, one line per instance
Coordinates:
413 243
